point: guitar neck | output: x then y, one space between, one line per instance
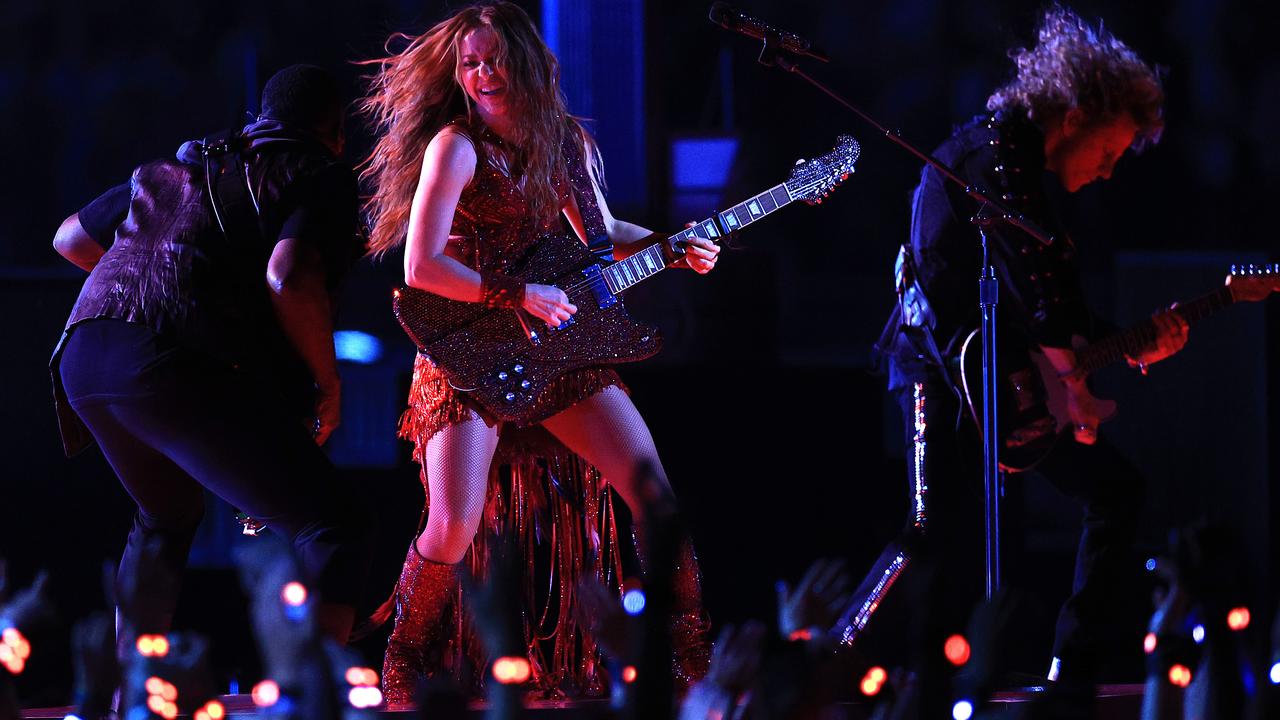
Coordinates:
652 260
1130 342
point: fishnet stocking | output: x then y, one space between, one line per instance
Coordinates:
456 467
607 431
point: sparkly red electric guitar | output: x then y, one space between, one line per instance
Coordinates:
506 358
1032 398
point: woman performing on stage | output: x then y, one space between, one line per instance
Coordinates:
478 157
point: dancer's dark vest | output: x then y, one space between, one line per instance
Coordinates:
174 269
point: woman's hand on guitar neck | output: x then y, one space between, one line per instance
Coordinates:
548 303
1171 336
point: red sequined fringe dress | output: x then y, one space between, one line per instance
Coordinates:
553 502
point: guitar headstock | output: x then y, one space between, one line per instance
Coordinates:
1251 283
812 180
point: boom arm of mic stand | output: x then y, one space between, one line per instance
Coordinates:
1002 212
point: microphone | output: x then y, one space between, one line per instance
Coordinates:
731 18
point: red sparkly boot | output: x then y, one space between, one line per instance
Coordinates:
690 626
425 589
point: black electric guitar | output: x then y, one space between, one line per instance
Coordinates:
506 358
1033 400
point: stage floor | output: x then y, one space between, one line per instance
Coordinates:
1114 703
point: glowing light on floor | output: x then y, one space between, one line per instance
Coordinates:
957 650
361 676
212 710
294 594
1238 618
962 710
511 670
266 693
364 697
1180 675
633 601
873 681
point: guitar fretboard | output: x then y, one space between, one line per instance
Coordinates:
652 260
1132 341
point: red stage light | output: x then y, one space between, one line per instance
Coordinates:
957 650
215 709
1238 618
629 674
1180 675
1149 643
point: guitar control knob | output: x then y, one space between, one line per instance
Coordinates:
502 375
524 384
518 368
509 397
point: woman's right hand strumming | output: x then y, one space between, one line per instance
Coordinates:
548 303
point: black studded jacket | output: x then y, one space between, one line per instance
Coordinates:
1040 297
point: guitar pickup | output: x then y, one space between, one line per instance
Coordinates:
599 288
564 325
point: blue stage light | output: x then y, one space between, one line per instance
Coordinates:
962 710
357 347
1275 674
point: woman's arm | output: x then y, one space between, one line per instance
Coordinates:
629 238
447 166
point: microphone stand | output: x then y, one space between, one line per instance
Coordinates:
990 213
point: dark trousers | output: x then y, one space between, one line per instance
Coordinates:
944 537
171 423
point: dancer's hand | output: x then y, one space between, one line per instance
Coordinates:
823 593
548 303
31 609
735 663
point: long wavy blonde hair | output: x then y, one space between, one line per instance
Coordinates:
418 90
1077 65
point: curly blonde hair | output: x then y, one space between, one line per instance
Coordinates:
418 90
1077 65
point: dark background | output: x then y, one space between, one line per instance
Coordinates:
772 425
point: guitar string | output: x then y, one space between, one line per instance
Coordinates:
793 195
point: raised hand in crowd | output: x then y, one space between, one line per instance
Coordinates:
808 610
735 666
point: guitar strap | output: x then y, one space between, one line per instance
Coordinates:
598 241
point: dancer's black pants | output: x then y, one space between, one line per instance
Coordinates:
171 423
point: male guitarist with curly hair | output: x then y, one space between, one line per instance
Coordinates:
1080 99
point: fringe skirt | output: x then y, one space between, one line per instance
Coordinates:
560 515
